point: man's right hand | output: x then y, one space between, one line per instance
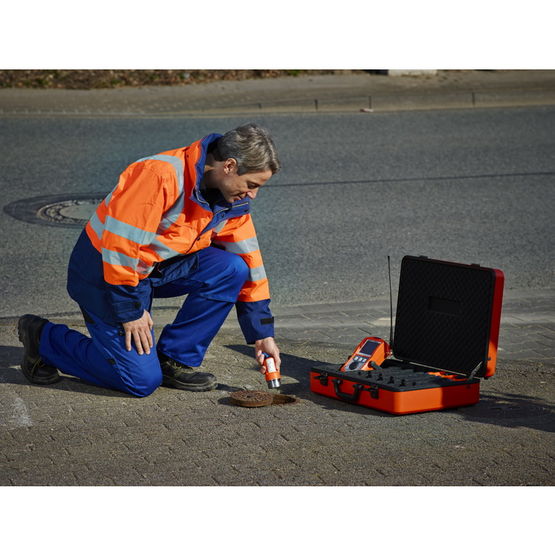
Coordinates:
141 332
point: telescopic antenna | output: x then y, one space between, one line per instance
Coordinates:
390 303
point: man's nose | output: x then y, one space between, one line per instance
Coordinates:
252 194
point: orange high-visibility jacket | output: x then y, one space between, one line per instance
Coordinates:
156 212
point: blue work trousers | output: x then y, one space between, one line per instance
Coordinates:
212 290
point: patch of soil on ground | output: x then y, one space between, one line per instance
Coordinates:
111 79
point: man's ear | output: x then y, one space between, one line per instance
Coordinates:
230 166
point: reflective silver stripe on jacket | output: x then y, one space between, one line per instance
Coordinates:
163 250
128 231
239 247
257 273
219 227
143 268
114 257
97 225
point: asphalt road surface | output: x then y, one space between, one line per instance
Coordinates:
466 186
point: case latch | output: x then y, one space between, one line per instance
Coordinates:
374 391
323 379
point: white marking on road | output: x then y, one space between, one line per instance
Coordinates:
382 322
21 416
15 414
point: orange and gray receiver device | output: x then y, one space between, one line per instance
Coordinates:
369 350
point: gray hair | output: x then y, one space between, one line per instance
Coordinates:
252 147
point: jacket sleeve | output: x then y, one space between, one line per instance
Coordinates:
132 216
253 304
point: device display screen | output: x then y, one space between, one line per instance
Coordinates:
369 347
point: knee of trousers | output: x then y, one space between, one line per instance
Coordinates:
235 271
142 376
240 269
146 389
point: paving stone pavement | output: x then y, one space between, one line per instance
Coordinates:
72 433
75 434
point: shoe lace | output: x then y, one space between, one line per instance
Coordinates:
175 365
37 365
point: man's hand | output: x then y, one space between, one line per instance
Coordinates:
266 345
141 332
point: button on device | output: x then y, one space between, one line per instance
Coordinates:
357 362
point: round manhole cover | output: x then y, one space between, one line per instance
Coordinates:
60 210
251 398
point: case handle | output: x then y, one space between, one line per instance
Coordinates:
350 397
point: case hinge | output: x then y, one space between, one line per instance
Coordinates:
472 374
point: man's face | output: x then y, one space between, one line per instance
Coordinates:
233 186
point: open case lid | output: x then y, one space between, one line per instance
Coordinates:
444 314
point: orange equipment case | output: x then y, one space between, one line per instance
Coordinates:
445 340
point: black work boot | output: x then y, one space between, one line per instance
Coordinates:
34 368
182 376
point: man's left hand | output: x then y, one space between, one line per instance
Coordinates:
266 345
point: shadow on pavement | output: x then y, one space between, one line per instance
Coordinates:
10 373
504 409
512 411
10 357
